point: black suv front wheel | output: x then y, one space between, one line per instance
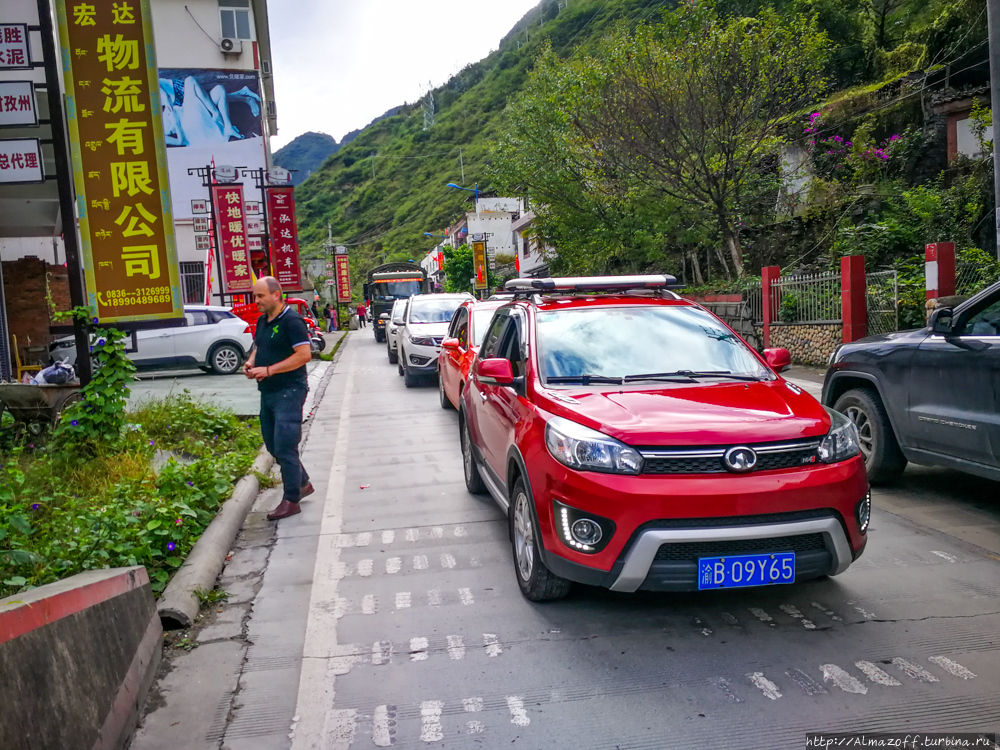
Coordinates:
537 582
884 461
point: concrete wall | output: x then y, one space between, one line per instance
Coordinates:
77 659
808 344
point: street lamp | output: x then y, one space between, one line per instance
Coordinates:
442 236
471 190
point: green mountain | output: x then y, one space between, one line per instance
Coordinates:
305 154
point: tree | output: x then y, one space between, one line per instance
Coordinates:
459 269
693 106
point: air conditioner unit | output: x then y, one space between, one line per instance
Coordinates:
231 46
272 110
265 67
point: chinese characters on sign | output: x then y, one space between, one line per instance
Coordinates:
20 161
119 160
479 262
343 278
284 237
232 232
14 51
17 104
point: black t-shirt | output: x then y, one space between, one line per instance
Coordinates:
276 341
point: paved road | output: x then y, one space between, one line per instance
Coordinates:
389 616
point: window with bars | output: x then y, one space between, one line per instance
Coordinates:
236 22
193 282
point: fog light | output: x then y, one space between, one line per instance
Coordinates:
586 532
864 512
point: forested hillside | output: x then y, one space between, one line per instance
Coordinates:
502 119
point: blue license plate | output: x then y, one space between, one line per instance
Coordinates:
746 570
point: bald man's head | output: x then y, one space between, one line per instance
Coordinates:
267 294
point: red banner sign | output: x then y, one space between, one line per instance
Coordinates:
284 237
343 273
230 224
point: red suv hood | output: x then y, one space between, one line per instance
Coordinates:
703 414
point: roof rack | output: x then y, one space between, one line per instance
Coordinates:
528 287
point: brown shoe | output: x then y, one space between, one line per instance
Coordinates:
307 489
284 510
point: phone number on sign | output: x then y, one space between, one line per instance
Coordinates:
121 297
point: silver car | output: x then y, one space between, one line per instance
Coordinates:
392 328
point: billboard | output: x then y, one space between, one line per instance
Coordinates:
209 116
119 161
232 233
479 263
284 237
343 273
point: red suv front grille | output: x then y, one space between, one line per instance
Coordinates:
693 550
709 460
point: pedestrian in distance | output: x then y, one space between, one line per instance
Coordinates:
361 314
278 364
328 318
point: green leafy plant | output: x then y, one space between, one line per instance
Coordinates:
207 598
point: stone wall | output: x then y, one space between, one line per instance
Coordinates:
27 282
808 344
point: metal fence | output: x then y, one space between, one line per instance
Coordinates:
972 277
754 301
809 298
882 297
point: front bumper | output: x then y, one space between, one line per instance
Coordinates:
422 359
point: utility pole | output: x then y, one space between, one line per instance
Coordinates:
461 162
373 165
993 20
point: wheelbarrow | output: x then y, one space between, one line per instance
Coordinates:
36 406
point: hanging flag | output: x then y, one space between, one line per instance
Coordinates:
232 233
284 237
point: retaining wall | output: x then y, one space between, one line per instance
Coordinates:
809 344
77 659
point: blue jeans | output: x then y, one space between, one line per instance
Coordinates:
281 427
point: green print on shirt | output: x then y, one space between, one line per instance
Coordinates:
274 331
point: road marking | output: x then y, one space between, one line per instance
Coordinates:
808 684
430 721
456 647
952 667
762 615
492 644
877 675
471 705
844 680
704 631
864 612
466 596
369 605
730 619
340 606
437 532
914 670
828 612
725 687
475 727
380 727
364 539
365 567
793 611
768 688
393 564
434 598
518 715
420 562
447 561
412 535
381 653
388 537
418 649
343 540
460 531
945 555
475 562
402 600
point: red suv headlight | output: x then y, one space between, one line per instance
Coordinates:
582 448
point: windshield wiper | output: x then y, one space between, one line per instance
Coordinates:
691 375
583 379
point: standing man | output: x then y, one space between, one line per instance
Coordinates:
362 312
278 364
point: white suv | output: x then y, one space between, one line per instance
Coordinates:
392 328
425 325
213 338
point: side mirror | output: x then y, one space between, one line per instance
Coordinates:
942 321
496 371
383 316
450 343
778 359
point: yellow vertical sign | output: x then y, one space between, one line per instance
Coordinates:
479 264
119 159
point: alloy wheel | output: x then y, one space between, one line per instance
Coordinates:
524 537
864 426
467 453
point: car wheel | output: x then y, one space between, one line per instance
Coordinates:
409 378
400 359
884 461
445 403
225 359
473 481
393 357
537 582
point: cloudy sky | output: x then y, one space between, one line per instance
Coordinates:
338 64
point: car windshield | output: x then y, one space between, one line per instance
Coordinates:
395 289
433 309
663 342
480 324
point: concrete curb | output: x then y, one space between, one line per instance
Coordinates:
179 605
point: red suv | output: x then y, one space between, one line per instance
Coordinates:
636 442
